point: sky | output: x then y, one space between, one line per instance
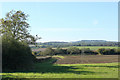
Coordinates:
69 21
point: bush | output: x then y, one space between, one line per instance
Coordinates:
48 51
41 53
117 51
73 50
16 55
107 51
60 51
87 51
101 51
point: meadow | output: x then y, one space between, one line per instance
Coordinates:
95 47
50 69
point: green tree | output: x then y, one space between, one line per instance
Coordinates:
101 51
15 26
86 50
59 51
49 51
16 56
73 50
16 53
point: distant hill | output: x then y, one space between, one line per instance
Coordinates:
79 43
93 41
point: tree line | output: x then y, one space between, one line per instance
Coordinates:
76 51
77 43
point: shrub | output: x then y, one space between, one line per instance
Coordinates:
59 51
41 53
48 51
16 55
73 50
118 51
100 51
87 51
107 51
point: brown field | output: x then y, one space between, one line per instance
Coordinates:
86 59
40 49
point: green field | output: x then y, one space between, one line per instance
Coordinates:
95 47
49 70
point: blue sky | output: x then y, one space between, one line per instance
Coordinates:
69 21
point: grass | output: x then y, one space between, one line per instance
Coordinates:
48 70
59 56
95 47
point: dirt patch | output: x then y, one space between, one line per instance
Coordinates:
86 59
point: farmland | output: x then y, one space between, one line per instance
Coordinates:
61 53
65 67
95 47
80 47
87 59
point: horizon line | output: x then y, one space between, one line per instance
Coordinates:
75 41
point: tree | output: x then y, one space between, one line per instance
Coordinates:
49 51
101 51
16 53
73 50
15 26
59 51
16 56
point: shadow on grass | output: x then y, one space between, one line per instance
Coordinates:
7 76
117 66
47 66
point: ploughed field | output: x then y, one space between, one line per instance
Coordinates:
85 66
85 59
